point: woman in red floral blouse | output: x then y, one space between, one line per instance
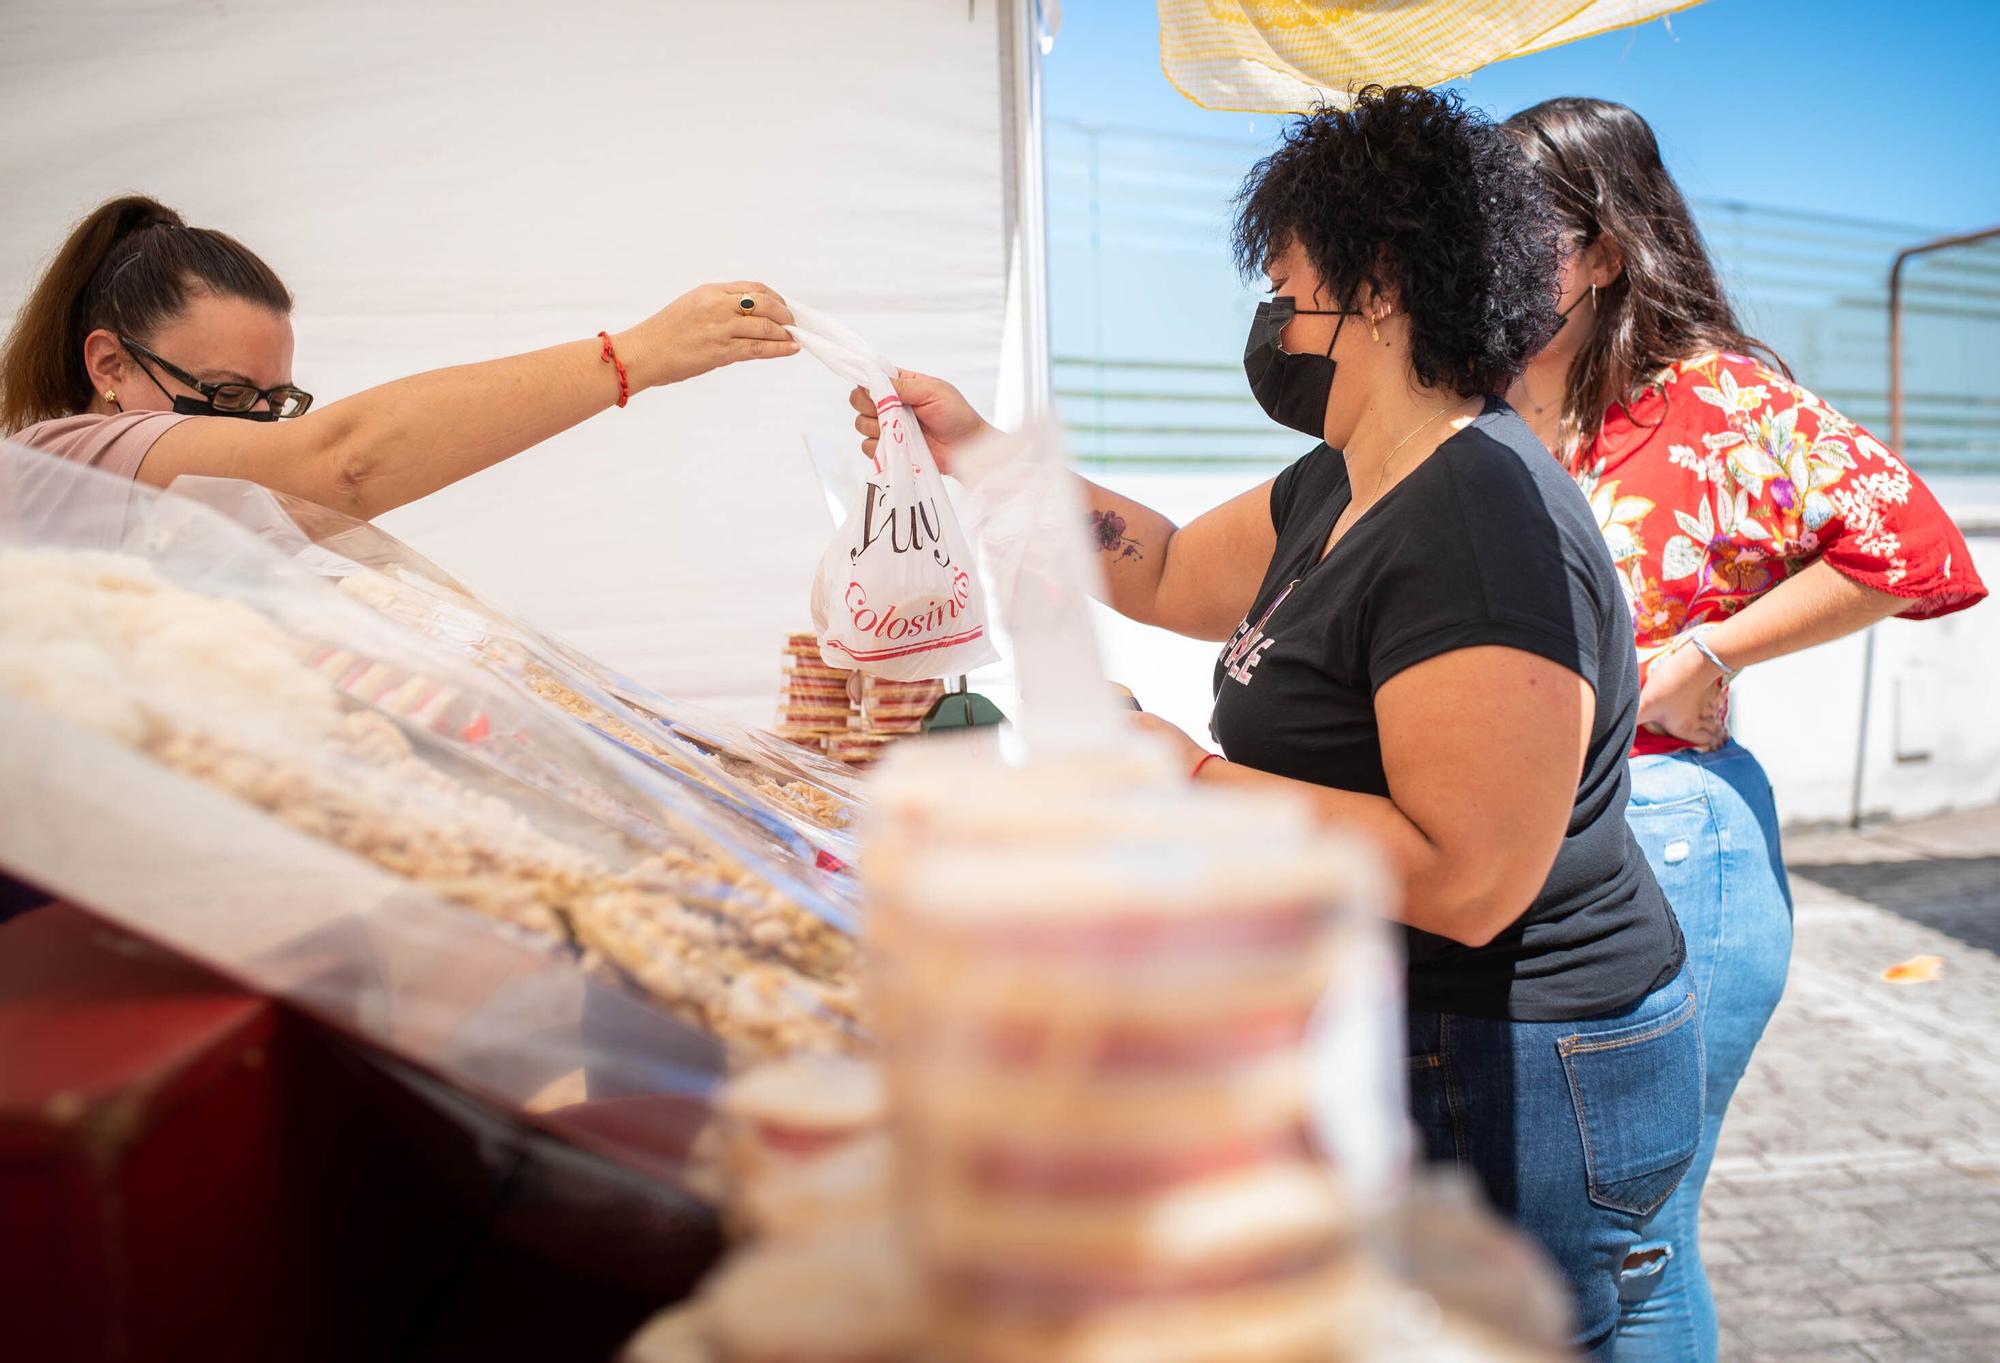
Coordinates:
1748 520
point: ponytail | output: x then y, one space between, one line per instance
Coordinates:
129 267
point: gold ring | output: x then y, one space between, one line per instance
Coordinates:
747 303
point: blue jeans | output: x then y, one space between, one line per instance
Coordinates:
1578 1131
1710 830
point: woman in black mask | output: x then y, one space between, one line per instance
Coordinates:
1425 638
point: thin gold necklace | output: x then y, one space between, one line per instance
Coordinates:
1383 476
1397 448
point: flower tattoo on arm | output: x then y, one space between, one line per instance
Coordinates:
1108 529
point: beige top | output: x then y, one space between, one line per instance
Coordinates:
117 444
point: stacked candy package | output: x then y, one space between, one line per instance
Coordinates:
817 699
851 716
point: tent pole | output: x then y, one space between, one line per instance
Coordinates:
1026 28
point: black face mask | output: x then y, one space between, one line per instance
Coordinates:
188 406
1292 389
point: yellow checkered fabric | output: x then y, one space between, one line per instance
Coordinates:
1601 17
1281 56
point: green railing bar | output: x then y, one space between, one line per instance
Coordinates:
1091 428
1837 396
1174 366
1170 464
1943 420
1125 395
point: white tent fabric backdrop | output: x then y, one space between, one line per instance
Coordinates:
462 179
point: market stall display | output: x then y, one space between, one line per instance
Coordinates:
1110 1081
197 646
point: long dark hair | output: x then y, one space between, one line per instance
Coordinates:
129 266
1601 163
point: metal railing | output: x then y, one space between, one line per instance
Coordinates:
1148 319
1901 404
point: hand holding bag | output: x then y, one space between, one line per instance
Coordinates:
897 593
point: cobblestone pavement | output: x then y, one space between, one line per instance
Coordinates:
1854 1211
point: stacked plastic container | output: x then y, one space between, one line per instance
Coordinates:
1100 1003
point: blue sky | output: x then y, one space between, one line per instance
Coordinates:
1884 111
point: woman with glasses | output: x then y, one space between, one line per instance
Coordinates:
1423 636
1748 520
151 349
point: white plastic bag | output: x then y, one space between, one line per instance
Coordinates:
897 593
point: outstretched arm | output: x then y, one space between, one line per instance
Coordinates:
403 440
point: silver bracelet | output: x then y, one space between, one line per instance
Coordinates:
1701 646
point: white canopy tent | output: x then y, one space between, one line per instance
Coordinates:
463 179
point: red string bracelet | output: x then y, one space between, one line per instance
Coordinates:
1205 760
610 357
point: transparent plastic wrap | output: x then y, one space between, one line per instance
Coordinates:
166 674
1041 576
752 778
791 824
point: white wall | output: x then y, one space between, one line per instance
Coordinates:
457 179
1933 722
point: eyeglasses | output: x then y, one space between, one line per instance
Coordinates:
230 399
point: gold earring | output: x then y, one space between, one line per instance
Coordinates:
110 396
1373 334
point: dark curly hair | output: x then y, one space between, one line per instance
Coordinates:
1408 189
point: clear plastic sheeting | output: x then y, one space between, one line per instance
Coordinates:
205 741
793 800
1041 576
93 820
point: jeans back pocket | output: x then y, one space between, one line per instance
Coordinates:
1638 1095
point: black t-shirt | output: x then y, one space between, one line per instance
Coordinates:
1486 542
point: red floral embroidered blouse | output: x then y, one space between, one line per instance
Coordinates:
1724 478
